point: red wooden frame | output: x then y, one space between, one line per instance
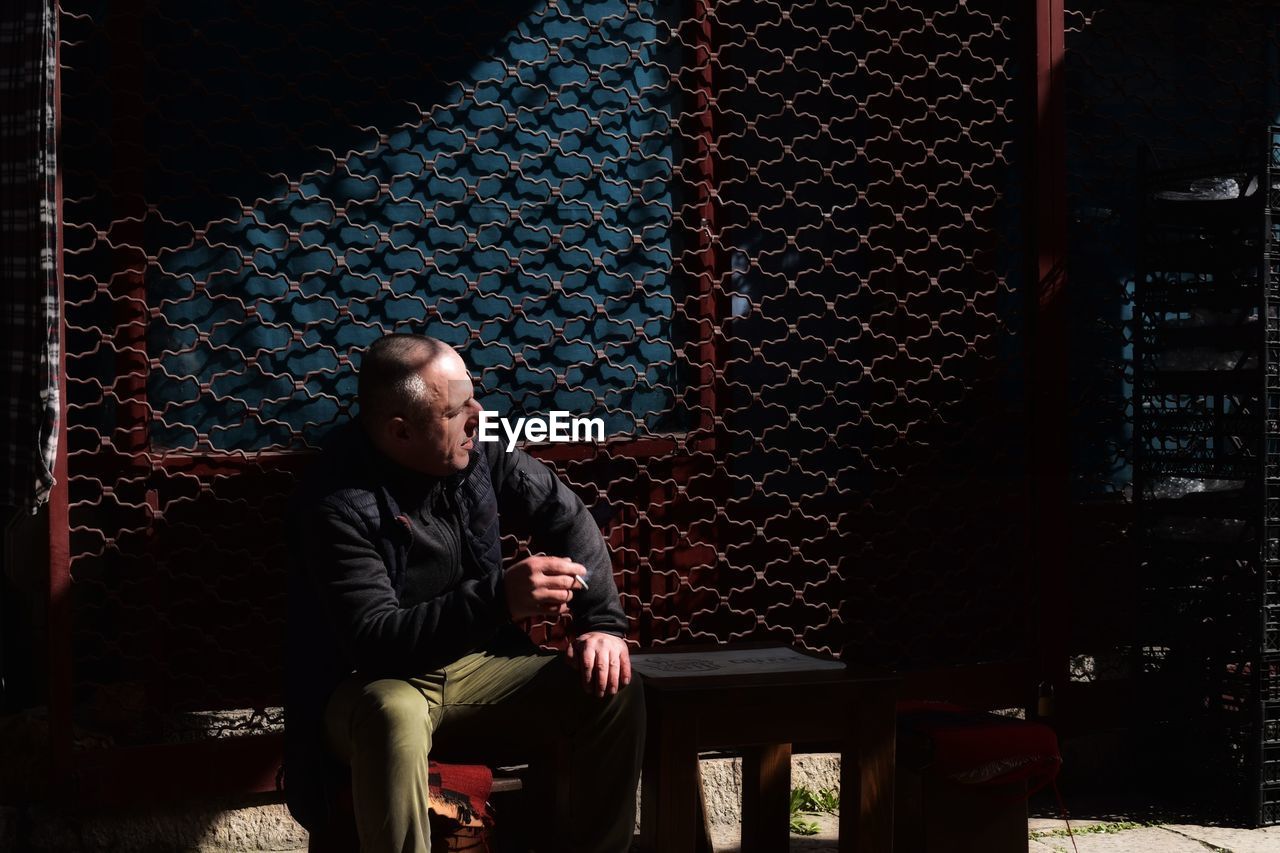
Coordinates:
1050 414
59 604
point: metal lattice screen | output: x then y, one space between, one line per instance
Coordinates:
778 247
1168 103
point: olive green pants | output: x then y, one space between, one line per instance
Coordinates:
492 705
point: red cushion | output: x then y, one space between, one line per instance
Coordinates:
978 748
460 792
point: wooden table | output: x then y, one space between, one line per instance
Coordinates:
762 698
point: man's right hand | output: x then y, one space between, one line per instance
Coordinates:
541 586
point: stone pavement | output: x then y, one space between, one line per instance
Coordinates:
727 838
262 824
1049 836
268 828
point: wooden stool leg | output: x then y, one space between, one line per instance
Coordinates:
766 798
866 774
668 795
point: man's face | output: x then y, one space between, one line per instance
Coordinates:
438 440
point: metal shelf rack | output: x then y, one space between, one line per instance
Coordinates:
1206 399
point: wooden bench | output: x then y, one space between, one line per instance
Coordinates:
762 698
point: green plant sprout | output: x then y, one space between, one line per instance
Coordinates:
804 801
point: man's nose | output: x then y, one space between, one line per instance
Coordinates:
473 414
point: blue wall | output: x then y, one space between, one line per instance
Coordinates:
508 162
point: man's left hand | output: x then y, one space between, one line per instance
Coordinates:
603 660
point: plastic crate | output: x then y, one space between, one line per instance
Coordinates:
1271 765
1270 808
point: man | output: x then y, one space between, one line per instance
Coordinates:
401 633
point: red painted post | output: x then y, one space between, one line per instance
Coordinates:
1049 443
59 603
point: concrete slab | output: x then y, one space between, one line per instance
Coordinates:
722 781
1265 840
727 837
265 827
1046 846
234 830
1142 840
1046 824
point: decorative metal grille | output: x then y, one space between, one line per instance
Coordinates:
777 246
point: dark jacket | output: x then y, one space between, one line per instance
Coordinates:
350 542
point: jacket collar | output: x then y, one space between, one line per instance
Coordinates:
389 476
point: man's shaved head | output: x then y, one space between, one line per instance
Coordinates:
390 381
417 403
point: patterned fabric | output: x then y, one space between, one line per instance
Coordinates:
28 231
457 797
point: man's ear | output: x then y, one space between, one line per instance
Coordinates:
396 429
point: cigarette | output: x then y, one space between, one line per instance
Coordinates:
582 580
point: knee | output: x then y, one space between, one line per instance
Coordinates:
389 706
